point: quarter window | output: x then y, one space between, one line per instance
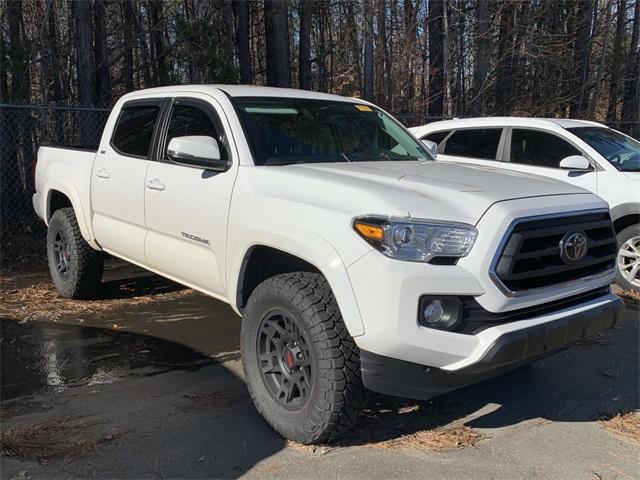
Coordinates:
481 143
134 130
541 149
188 120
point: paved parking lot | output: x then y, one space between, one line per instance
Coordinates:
149 385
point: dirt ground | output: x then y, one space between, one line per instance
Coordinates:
146 382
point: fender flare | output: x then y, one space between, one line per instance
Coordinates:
307 246
73 196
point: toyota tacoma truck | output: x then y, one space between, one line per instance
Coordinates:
356 261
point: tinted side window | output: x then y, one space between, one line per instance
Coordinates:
187 120
475 143
133 133
533 147
436 137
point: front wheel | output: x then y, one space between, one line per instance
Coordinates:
301 366
76 268
628 261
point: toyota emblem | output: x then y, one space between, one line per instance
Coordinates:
573 247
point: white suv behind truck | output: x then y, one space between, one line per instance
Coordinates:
586 154
355 260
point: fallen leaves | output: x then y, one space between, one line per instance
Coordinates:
41 301
631 298
626 425
438 439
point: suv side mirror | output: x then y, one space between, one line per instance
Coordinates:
432 147
575 162
196 151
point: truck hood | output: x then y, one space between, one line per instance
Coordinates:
436 190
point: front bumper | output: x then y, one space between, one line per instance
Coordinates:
508 350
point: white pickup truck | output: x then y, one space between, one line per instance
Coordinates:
355 260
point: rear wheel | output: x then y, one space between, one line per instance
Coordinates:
76 268
628 261
301 366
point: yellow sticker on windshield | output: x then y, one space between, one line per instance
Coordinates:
364 108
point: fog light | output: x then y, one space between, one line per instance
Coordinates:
433 312
441 313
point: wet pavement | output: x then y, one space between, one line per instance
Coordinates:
165 379
37 357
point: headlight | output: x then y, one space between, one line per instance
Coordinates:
416 240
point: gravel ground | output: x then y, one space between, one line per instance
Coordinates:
153 389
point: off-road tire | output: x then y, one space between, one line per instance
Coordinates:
84 268
626 235
336 395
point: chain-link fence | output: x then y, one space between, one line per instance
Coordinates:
23 128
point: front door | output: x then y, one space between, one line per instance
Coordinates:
117 180
540 152
187 206
480 146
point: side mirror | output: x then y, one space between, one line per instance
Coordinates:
196 151
575 162
432 147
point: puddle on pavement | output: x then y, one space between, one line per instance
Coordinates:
39 356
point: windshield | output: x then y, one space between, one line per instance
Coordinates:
621 151
283 131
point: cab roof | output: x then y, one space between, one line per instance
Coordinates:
242 91
509 121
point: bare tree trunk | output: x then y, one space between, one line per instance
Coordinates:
277 47
581 50
103 78
410 31
504 69
446 56
595 98
631 100
86 67
304 56
241 15
157 38
381 54
54 74
368 89
127 46
436 58
481 71
612 113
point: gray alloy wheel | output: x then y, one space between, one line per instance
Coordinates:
628 260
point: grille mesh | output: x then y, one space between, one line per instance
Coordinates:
531 257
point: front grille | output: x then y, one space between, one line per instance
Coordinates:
531 257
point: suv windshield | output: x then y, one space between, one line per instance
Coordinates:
284 131
621 151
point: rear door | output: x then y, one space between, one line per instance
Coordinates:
481 146
540 152
117 180
187 206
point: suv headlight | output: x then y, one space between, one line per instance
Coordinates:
416 240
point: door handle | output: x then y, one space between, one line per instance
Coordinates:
102 173
155 184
